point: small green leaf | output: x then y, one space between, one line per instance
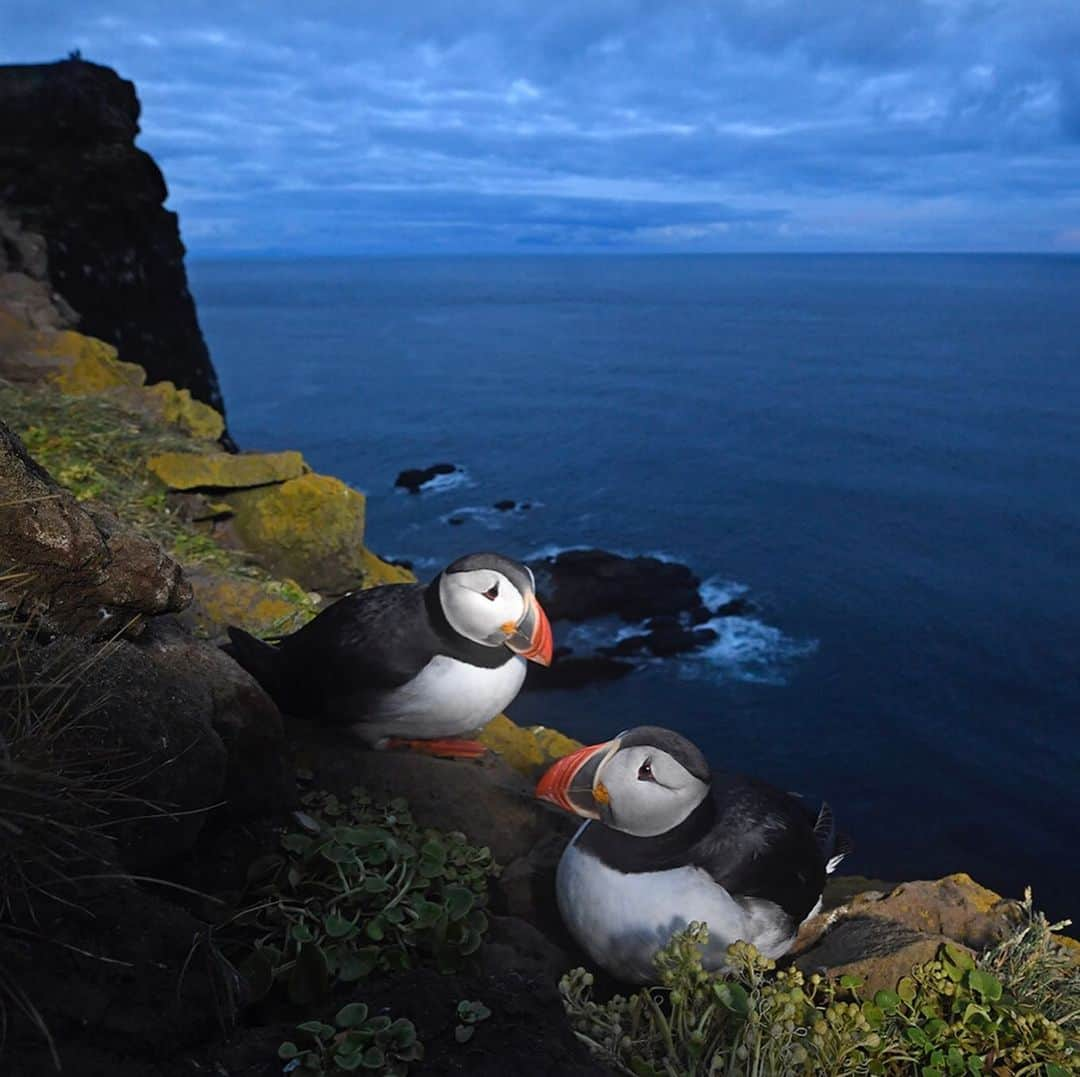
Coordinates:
373 1058
459 901
351 1016
374 930
337 927
463 1033
887 1000
317 1029
376 884
734 997
301 933
349 1060
288 1050
296 843
338 854
357 964
906 989
984 984
875 1016
851 982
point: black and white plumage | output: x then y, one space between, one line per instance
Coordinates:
668 842
407 660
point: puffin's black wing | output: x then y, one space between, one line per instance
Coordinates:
763 846
366 643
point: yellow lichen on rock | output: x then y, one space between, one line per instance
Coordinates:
222 470
260 607
528 751
180 408
87 365
377 571
310 528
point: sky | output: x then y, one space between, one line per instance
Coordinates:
649 126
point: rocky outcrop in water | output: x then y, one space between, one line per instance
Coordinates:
72 177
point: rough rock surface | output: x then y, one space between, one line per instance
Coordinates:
413 478
310 529
84 572
579 585
221 470
70 172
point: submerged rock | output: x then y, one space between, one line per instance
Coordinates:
579 585
413 478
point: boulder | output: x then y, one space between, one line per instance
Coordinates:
413 478
259 778
579 585
310 529
265 608
226 471
568 672
376 571
878 935
81 571
153 724
179 407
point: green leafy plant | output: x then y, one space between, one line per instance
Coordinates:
469 1015
355 1041
359 886
1013 1011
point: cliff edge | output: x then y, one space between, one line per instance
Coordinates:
70 171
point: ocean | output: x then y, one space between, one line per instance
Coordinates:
881 452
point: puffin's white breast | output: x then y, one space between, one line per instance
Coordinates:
445 699
621 920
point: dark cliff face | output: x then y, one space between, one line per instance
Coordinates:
69 170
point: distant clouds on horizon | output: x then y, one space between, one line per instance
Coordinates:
596 125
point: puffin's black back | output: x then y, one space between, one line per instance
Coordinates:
365 644
753 839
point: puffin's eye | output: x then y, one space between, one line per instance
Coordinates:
645 773
492 592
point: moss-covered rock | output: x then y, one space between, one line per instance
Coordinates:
180 408
87 365
377 571
264 608
222 470
310 529
528 751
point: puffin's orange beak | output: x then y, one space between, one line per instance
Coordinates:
532 637
569 784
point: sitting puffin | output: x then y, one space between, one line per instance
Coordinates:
407 664
670 843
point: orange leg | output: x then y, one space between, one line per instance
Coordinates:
449 748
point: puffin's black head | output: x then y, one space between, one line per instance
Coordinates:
645 781
490 599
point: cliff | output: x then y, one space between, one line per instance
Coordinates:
70 172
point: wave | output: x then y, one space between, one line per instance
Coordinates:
748 650
489 517
454 480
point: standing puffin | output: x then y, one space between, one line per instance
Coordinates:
407 664
668 842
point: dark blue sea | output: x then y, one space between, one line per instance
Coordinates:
882 452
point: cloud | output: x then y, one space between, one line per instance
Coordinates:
610 124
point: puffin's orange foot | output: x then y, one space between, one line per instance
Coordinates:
449 748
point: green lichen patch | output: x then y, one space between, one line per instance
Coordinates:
357 887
